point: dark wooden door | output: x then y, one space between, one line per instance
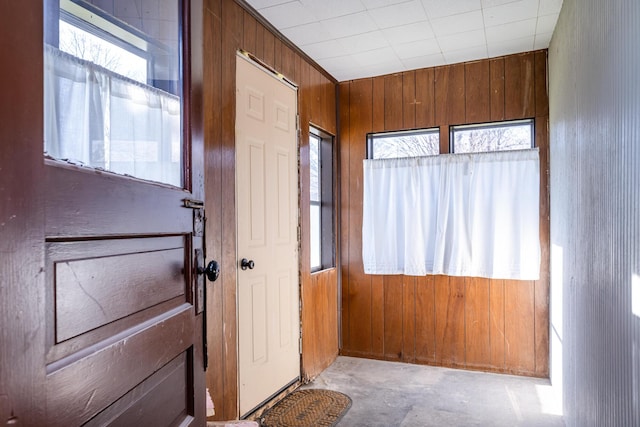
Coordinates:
101 306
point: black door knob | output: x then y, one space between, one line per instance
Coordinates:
245 263
212 270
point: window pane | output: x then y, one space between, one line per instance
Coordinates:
493 137
404 144
314 167
113 87
315 237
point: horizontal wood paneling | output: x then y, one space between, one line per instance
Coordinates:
464 322
227 28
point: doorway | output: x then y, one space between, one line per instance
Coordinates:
267 233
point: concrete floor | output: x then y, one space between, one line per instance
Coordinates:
389 394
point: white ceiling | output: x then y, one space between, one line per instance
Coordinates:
363 38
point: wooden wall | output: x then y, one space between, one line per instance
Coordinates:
494 325
229 26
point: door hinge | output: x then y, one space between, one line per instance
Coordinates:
298 128
300 344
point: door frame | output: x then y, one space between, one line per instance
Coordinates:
247 56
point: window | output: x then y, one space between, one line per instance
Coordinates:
501 136
113 86
321 199
413 143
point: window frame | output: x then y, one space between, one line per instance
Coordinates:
326 192
492 125
373 135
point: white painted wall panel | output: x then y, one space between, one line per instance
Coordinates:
594 95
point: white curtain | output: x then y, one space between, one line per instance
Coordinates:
97 118
454 214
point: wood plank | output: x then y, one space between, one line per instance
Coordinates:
519 327
496 76
268 55
519 83
214 7
231 21
409 319
496 322
212 99
288 63
542 285
393 112
329 105
425 98
310 333
249 32
542 97
409 100
477 92
277 55
450 94
344 91
477 327
377 316
378 104
425 320
359 284
393 317
260 30
450 321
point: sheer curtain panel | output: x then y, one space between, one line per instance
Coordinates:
97 118
453 214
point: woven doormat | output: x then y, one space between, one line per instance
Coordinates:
308 408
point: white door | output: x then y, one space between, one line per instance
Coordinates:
267 209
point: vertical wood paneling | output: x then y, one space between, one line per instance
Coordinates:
378 104
345 177
425 320
377 316
409 319
496 87
268 55
212 97
288 63
393 96
409 99
477 327
277 55
496 323
249 30
232 16
460 322
519 326
542 285
519 86
542 98
260 30
393 317
359 283
450 94
450 321
425 98
477 92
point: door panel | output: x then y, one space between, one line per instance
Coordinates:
267 197
122 324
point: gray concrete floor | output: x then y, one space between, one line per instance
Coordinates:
389 394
